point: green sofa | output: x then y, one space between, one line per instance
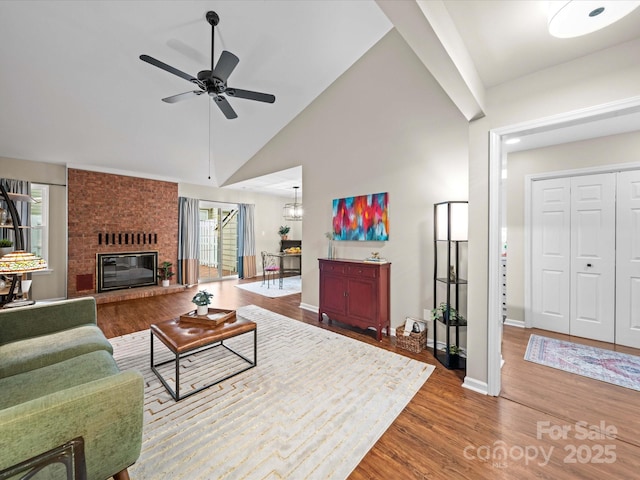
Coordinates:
59 381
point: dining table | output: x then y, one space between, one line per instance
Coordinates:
281 256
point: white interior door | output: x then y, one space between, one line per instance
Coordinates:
550 259
628 260
593 262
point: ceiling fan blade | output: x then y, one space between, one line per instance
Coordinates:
225 107
170 69
182 96
248 94
226 63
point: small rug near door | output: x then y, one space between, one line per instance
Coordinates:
597 363
290 285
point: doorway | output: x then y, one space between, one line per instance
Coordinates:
218 241
497 163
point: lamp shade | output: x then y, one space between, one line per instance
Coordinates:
573 18
454 215
19 262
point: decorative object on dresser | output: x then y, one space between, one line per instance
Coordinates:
450 258
355 293
375 258
330 252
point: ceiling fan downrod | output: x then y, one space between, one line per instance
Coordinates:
213 19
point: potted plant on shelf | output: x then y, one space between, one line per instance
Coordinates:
283 231
6 246
202 299
165 272
441 312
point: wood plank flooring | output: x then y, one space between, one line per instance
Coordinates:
447 431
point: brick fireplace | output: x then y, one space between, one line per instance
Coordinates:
111 214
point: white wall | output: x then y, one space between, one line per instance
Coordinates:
50 284
384 126
609 75
611 150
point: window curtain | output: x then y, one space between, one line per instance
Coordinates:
246 242
188 240
23 208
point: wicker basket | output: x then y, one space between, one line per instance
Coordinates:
415 342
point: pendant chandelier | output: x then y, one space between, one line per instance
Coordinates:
293 211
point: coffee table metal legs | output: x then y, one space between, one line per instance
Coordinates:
178 356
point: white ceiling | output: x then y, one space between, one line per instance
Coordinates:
509 39
73 90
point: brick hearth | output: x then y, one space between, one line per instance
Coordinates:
133 293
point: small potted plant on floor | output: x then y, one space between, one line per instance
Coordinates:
283 231
165 272
202 299
6 246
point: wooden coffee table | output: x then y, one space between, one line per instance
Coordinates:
185 339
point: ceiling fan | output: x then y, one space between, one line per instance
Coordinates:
212 82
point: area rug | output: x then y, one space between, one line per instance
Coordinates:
597 363
290 286
313 406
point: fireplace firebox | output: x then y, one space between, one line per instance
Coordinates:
118 271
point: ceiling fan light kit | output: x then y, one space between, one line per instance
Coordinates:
574 18
213 82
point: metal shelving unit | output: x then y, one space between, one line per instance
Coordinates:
446 274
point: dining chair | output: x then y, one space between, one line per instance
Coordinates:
270 268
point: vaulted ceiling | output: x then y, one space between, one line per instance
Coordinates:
74 91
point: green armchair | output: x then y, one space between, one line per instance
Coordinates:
59 381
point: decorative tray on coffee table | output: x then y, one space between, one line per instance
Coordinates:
214 318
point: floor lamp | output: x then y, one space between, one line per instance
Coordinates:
16 264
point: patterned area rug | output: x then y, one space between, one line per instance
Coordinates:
311 409
290 285
597 363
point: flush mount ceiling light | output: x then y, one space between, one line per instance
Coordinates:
573 18
293 211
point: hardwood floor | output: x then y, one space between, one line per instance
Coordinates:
447 431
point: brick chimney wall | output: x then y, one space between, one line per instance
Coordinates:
101 204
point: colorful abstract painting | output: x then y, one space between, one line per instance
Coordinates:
365 217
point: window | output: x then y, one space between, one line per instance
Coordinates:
39 230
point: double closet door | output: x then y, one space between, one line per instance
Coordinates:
585 249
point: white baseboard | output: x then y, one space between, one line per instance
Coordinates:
514 323
311 308
475 385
